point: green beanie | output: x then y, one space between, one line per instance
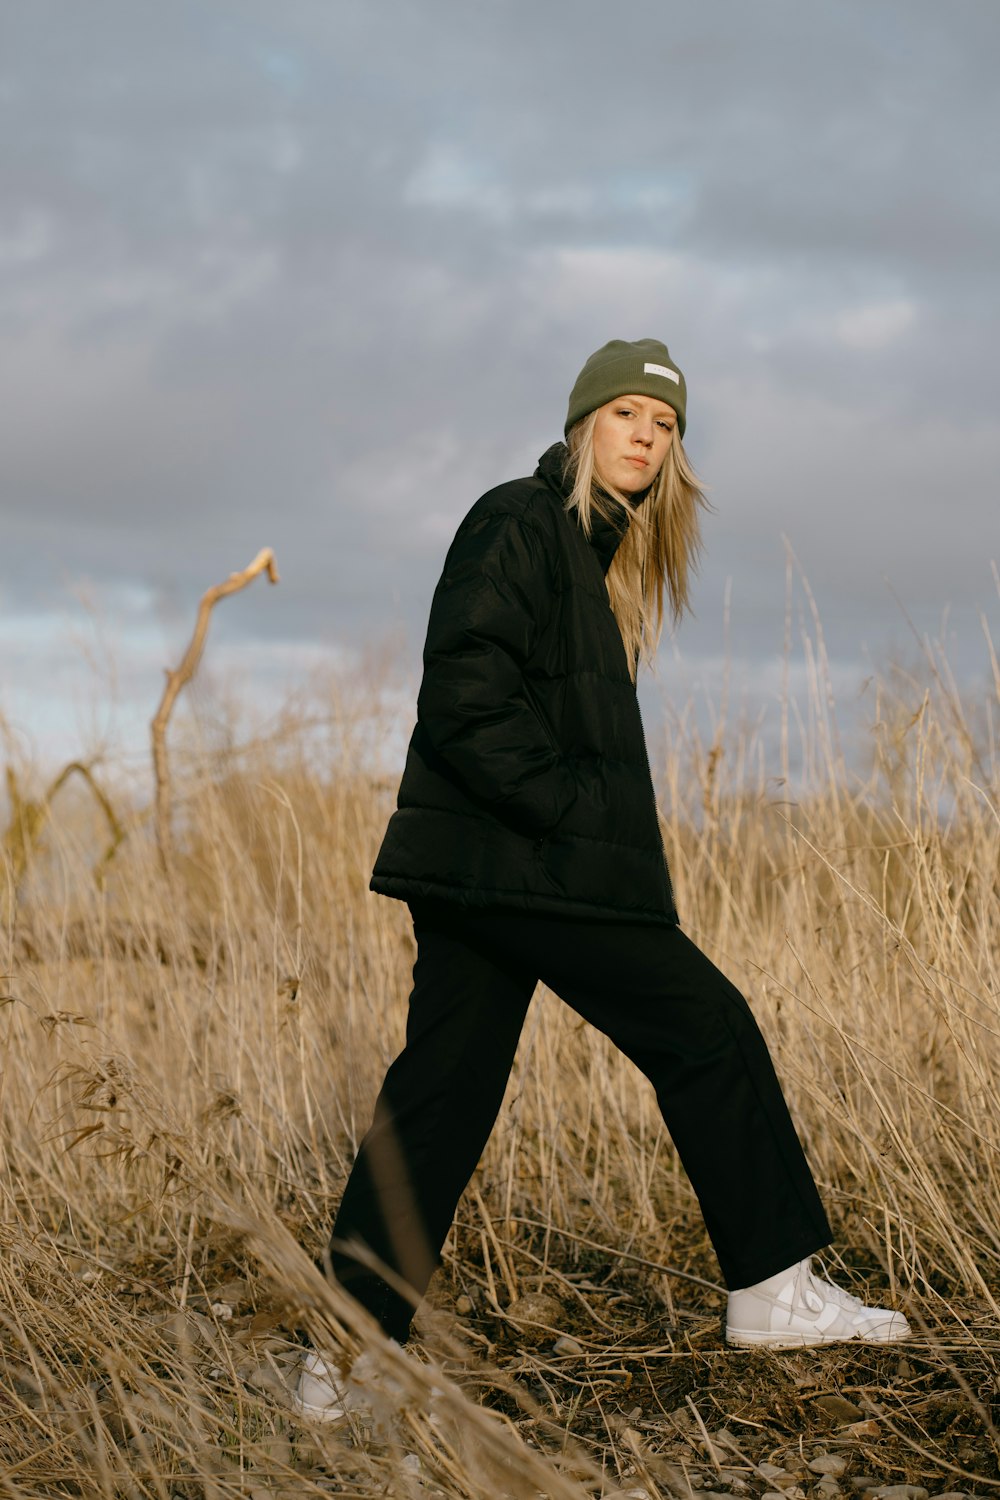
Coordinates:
623 369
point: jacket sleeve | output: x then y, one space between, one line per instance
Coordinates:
474 705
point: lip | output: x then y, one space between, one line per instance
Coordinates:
632 458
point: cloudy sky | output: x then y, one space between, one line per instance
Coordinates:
316 273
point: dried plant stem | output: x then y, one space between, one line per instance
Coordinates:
28 818
186 1068
176 680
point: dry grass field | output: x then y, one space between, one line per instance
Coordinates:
188 1060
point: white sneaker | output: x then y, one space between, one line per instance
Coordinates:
366 1392
797 1307
323 1394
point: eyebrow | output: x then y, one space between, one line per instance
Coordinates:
643 401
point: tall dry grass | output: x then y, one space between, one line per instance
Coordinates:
189 1062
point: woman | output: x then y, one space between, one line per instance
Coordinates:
527 844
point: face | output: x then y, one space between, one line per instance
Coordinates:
631 437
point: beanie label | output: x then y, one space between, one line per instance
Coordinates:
662 370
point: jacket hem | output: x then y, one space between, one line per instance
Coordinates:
402 889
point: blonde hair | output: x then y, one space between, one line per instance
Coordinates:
660 548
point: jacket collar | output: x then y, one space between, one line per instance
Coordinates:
605 536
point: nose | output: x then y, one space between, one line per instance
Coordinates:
644 435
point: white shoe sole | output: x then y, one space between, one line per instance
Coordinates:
328 1414
745 1337
333 1400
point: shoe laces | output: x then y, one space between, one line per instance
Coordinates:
831 1292
806 1291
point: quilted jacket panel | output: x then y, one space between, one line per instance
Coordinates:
527 781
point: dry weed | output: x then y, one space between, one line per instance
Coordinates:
190 1057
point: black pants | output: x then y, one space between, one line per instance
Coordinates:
660 1000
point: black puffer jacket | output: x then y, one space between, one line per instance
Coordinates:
527 782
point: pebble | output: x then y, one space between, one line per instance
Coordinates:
828 1463
900 1492
952 1495
772 1495
769 1471
184 1328
568 1345
464 1306
860 1430
235 1291
261 1377
838 1408
536 1316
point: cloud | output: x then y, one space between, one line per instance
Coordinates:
318 277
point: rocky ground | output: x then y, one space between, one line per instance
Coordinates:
633 1371
672 1409
595 1358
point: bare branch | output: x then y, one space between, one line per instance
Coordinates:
263 562
28 818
